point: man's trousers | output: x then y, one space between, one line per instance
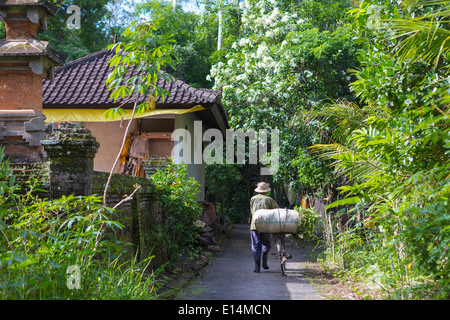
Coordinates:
260 243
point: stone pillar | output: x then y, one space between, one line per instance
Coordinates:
71 150
24 63
21 132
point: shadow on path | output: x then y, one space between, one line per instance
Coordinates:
230 276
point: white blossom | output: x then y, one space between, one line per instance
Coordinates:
262 49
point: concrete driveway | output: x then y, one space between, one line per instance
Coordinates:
230 276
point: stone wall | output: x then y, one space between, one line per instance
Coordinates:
137 215
70 151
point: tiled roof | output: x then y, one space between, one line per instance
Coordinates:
82 84
48 6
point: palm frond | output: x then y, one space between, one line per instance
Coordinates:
419 3
342 117
348 162
424 38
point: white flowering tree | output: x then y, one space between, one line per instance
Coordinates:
281 64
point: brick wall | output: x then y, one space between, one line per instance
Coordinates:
20 27
20 90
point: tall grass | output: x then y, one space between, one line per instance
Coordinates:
48 247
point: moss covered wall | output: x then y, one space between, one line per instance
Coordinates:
71 149
137 215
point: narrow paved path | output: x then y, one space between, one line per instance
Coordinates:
230 276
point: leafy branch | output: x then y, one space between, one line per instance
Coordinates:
137 68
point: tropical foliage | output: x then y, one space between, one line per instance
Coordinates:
195 38
361 101
286 59
147 53
64 248
92 36
227 191
393 151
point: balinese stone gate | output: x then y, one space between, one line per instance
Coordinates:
24 63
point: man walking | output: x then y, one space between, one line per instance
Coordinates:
261 241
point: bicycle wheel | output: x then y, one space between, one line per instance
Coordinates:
281 254
283 266
283 257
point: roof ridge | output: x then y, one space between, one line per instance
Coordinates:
99 53
84 59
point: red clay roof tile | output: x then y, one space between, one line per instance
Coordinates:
82 84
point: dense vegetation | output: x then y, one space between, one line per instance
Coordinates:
361 100
359 94
70 248
393 150
177 196
64 248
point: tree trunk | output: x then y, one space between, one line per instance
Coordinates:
219 35
120 151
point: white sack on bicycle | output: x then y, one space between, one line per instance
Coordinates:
276 220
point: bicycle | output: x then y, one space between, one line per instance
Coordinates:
281 251
273 222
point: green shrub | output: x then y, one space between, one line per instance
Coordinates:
426 231
310 224
178 199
